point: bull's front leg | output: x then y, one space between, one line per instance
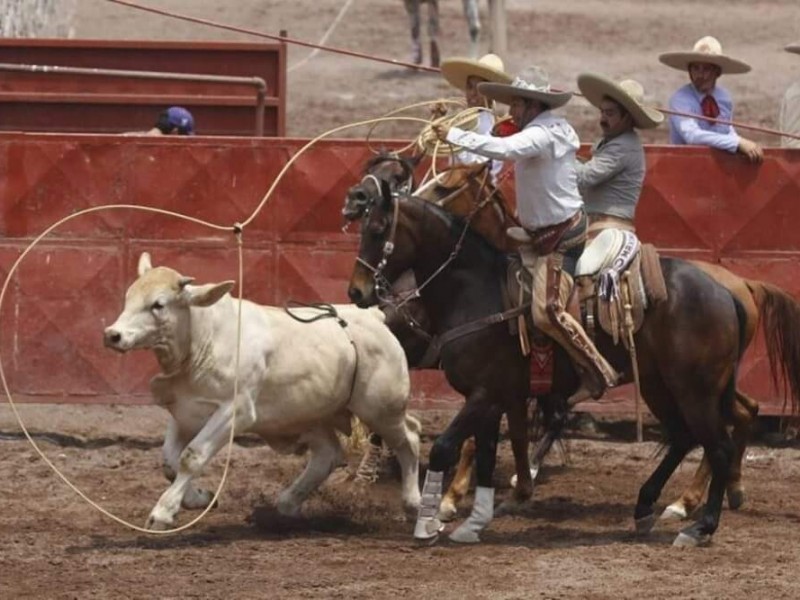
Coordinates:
213 436
174 442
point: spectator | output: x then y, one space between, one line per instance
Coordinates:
175 120
702 96
789 121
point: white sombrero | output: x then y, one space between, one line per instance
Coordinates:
489 67
794 48
706 50
532 83
628 93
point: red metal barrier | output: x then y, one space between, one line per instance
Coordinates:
82 104
696 203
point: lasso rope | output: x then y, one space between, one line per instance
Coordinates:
237 229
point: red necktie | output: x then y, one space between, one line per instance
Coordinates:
710 107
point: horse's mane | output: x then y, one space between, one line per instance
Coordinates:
385 156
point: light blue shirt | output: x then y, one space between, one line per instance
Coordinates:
699 132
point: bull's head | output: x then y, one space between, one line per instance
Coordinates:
156 312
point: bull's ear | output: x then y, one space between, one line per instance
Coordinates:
208 294
144 263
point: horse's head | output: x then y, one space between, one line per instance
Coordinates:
385 249
398 172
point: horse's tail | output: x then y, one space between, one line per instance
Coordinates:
779 315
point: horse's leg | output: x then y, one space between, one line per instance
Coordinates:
649 492
433 31
443 455
745 412
460 484
412 8
473 16
485 460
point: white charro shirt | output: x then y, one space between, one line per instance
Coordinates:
485 126
790 115
544 167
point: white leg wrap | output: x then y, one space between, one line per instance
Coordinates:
478 520
428 526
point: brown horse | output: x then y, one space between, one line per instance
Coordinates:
465 191
689 347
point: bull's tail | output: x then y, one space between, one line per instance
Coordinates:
779 315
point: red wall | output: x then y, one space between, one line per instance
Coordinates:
696 202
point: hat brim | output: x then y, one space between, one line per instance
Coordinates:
596 87
682 60
505 94
456 71
793 48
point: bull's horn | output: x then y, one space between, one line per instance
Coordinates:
184 281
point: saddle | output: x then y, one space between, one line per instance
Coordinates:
616 274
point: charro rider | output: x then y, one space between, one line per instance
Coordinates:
550 207
466 74
611 181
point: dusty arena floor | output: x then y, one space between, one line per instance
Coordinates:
575 540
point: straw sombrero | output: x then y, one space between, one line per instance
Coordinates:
628 93
706 50
532 83
794 48
489 67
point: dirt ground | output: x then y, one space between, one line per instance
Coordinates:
574 541
620 38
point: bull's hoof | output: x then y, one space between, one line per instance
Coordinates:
154 523
674 512
688 540
198 499
645 524
736 498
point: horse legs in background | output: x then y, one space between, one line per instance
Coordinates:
473 16
413 10
744 413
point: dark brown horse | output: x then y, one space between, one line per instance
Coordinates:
689 347
466 192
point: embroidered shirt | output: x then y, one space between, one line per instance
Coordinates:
686 130
612 180
544 167
790 115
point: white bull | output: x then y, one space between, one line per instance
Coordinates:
298 382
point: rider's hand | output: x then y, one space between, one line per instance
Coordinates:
750 150
438 110
441 132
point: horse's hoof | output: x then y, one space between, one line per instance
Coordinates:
645 524
736 498
447 512
686 540
674 512
427 530
534 473
465 535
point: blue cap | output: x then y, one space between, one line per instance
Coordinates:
176 117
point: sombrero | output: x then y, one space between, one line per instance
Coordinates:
628 93
706 50
532 83
794 48
489 67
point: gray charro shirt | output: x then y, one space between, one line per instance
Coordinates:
612 180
